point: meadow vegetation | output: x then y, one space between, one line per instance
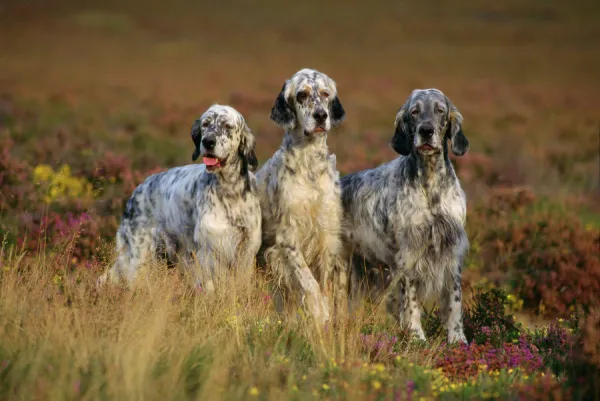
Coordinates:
95 97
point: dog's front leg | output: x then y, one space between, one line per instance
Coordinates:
409 310
287 259
334 274
341 287
451 307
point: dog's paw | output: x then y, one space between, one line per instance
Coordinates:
418 334
102 280
457 337
318 307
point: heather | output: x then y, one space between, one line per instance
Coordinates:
95 97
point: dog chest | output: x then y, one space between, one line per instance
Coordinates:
223 230
307 198
433 225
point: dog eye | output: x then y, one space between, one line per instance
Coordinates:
301 96
228 126
439 110
414 112
205 124
325 95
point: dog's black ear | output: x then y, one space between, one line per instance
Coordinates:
247 150
196 137
454 132
336 112
282 113
402 141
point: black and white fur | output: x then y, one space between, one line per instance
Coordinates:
300 194
210 219
409 214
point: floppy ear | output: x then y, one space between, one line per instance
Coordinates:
336 112
282 113
459 142
402 141
247 150
196 137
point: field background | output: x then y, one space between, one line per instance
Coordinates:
94 96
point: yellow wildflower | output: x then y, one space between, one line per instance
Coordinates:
376 384
42 172
254 391
61 183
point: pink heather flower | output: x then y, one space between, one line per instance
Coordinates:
379 345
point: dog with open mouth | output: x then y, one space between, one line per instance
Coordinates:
404 221
300 195
204 216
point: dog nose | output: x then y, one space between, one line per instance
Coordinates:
209 142
426 130
320 115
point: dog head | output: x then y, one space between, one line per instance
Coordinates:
223 139
425 121
308 104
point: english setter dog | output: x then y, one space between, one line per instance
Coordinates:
300 194
209 211
409 214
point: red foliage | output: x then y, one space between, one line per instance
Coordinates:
464 361
555 260
589 341
79 234
542 388
15 186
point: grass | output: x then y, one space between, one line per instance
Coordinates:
110 90
62 339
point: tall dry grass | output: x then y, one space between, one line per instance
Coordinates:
61 338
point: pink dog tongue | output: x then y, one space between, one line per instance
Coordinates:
210 161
